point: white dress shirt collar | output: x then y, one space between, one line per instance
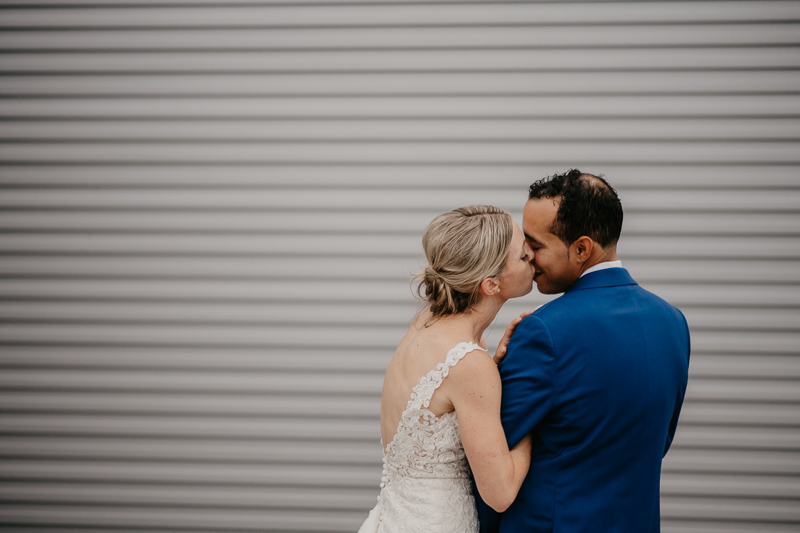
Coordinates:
602 266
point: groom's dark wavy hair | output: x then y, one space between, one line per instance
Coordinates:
588 206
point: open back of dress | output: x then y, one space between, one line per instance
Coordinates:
426 483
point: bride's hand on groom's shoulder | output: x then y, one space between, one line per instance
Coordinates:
502 347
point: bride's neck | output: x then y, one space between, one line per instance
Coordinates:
483 314
475 321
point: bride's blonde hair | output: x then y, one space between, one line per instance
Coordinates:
463 247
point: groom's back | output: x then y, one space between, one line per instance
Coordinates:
614 359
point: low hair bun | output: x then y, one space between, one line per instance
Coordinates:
442 299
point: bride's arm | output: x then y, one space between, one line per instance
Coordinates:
475 393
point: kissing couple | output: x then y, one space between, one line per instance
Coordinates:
565 428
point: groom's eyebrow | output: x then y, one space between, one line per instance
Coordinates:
531 239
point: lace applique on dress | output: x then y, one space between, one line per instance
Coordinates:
426 483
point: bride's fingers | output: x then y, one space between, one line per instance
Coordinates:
502 347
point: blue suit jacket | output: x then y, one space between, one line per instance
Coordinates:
598 376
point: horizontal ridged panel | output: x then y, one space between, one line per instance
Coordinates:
303 474
93 448
405 60
201 358
324 429
397 15
401 37
283 131
404 83
241 403
718 508
724 526
730 485
183 517
396 107
231 497
356 384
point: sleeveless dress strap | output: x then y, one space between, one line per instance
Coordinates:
423 392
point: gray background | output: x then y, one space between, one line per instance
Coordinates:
209 215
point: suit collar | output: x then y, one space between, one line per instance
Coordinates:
610 277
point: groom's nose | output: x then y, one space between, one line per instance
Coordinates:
529 252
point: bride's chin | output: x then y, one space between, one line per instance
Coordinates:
529 289
523 291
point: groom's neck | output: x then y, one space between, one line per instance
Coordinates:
599 255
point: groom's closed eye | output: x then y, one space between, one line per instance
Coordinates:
533 243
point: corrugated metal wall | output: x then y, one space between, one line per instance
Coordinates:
210 214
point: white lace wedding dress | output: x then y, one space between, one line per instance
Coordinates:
426 485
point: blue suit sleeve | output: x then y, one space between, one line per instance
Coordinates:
528 375
673 423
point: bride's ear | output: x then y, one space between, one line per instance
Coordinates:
489 287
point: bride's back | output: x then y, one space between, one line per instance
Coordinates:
421 349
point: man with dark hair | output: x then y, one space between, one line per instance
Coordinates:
598 375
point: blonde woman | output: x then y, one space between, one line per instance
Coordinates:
440 407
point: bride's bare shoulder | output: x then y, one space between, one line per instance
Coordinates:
424 339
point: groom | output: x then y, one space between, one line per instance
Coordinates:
597 375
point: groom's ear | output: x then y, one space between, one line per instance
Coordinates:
582 249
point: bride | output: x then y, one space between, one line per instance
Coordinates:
440 407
